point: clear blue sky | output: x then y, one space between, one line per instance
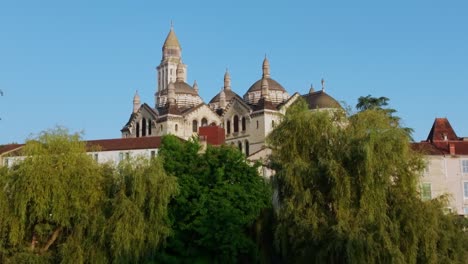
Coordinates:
78 63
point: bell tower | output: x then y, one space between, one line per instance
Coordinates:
170 62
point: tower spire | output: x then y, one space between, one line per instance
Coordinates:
180 72
265 90
227 80
170 67
171 40
311 88
266 68
195 86
171 96
136 102
222 99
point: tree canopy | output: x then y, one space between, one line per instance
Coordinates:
221 196
381 104
372 103
348 193
59 205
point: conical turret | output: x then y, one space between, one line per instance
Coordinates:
180 73
227 80
171 96
195 86
171 47
265 91
222 99
266 68
171 40
311 90
136 102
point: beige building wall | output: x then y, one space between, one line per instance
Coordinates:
445 175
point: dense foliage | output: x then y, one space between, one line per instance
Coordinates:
221 196
348 193
59 205
380 104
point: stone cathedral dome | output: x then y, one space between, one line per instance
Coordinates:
277 93
228 92
320 99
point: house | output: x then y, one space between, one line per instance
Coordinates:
447 166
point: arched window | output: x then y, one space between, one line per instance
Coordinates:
149 126
176 127
273 123
143 127
257 124
228 126
239 144
247 148
236 124
243 123
138 129
204 122
195 126
161 128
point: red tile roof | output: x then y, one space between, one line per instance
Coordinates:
441 129
107 144
439 140
10 147
124 143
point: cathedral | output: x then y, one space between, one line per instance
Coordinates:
247 119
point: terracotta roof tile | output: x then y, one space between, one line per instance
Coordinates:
107 144
441 147
439 140
10 147
441 128
264 104
124 143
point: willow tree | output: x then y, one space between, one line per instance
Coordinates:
138 223
59 205
348 193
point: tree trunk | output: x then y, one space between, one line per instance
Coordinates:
33 241
52 239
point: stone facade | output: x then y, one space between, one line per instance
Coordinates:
179 110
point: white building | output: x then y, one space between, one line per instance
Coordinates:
447 166
103 151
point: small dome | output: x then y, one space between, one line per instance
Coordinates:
272 86
182 88
276 93
320 99
229 95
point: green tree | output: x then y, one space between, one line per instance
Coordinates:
381 104
348 193
137 222
372 103
59 205
221 196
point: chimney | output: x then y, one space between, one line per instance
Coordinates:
452 149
